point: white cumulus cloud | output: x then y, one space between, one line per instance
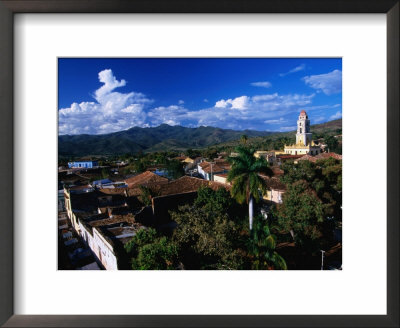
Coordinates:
171 115
236 103
328 83
112 111
277 121
264 84
336 116
255 112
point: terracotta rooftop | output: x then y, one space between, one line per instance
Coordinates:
144 179
80 187
289 156
320 156
307 158
277 171
215 168
219 166
328 155
188 184
273 183
112 191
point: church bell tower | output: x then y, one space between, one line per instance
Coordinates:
303 135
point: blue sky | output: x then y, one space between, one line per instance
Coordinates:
103 95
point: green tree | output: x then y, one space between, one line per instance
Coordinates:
324 177
304 170
243 139
192 153
261 248
161 158
175 169
146 194
139 166
245 178
104 173
207 239
333 144
301 213
218 201
160 255
150 251
210 153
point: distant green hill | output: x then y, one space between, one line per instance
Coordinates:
324 129
165 137
160 138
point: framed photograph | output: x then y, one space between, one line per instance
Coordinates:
199 164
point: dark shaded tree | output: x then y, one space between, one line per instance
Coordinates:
175 169
261 248
149 251
301 213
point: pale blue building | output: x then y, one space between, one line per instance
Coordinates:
83 164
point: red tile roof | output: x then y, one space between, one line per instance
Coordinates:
145 179
307 158
328 155
188 184
219 166
273 183
320 156
289 156
277 170
80 187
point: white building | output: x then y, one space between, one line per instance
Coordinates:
304 144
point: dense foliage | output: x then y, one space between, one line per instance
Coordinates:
210 234
311 206
261 246
150 251
174 169
146 194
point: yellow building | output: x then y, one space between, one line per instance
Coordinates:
188 160
304 145
268 155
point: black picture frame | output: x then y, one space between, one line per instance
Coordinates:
7 10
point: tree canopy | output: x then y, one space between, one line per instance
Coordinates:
150 251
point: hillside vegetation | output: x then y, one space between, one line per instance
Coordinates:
165 137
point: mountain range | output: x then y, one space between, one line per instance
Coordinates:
160 138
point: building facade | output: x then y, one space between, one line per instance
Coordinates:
83 164
304 144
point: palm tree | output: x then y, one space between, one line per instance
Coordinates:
245 178
262 248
